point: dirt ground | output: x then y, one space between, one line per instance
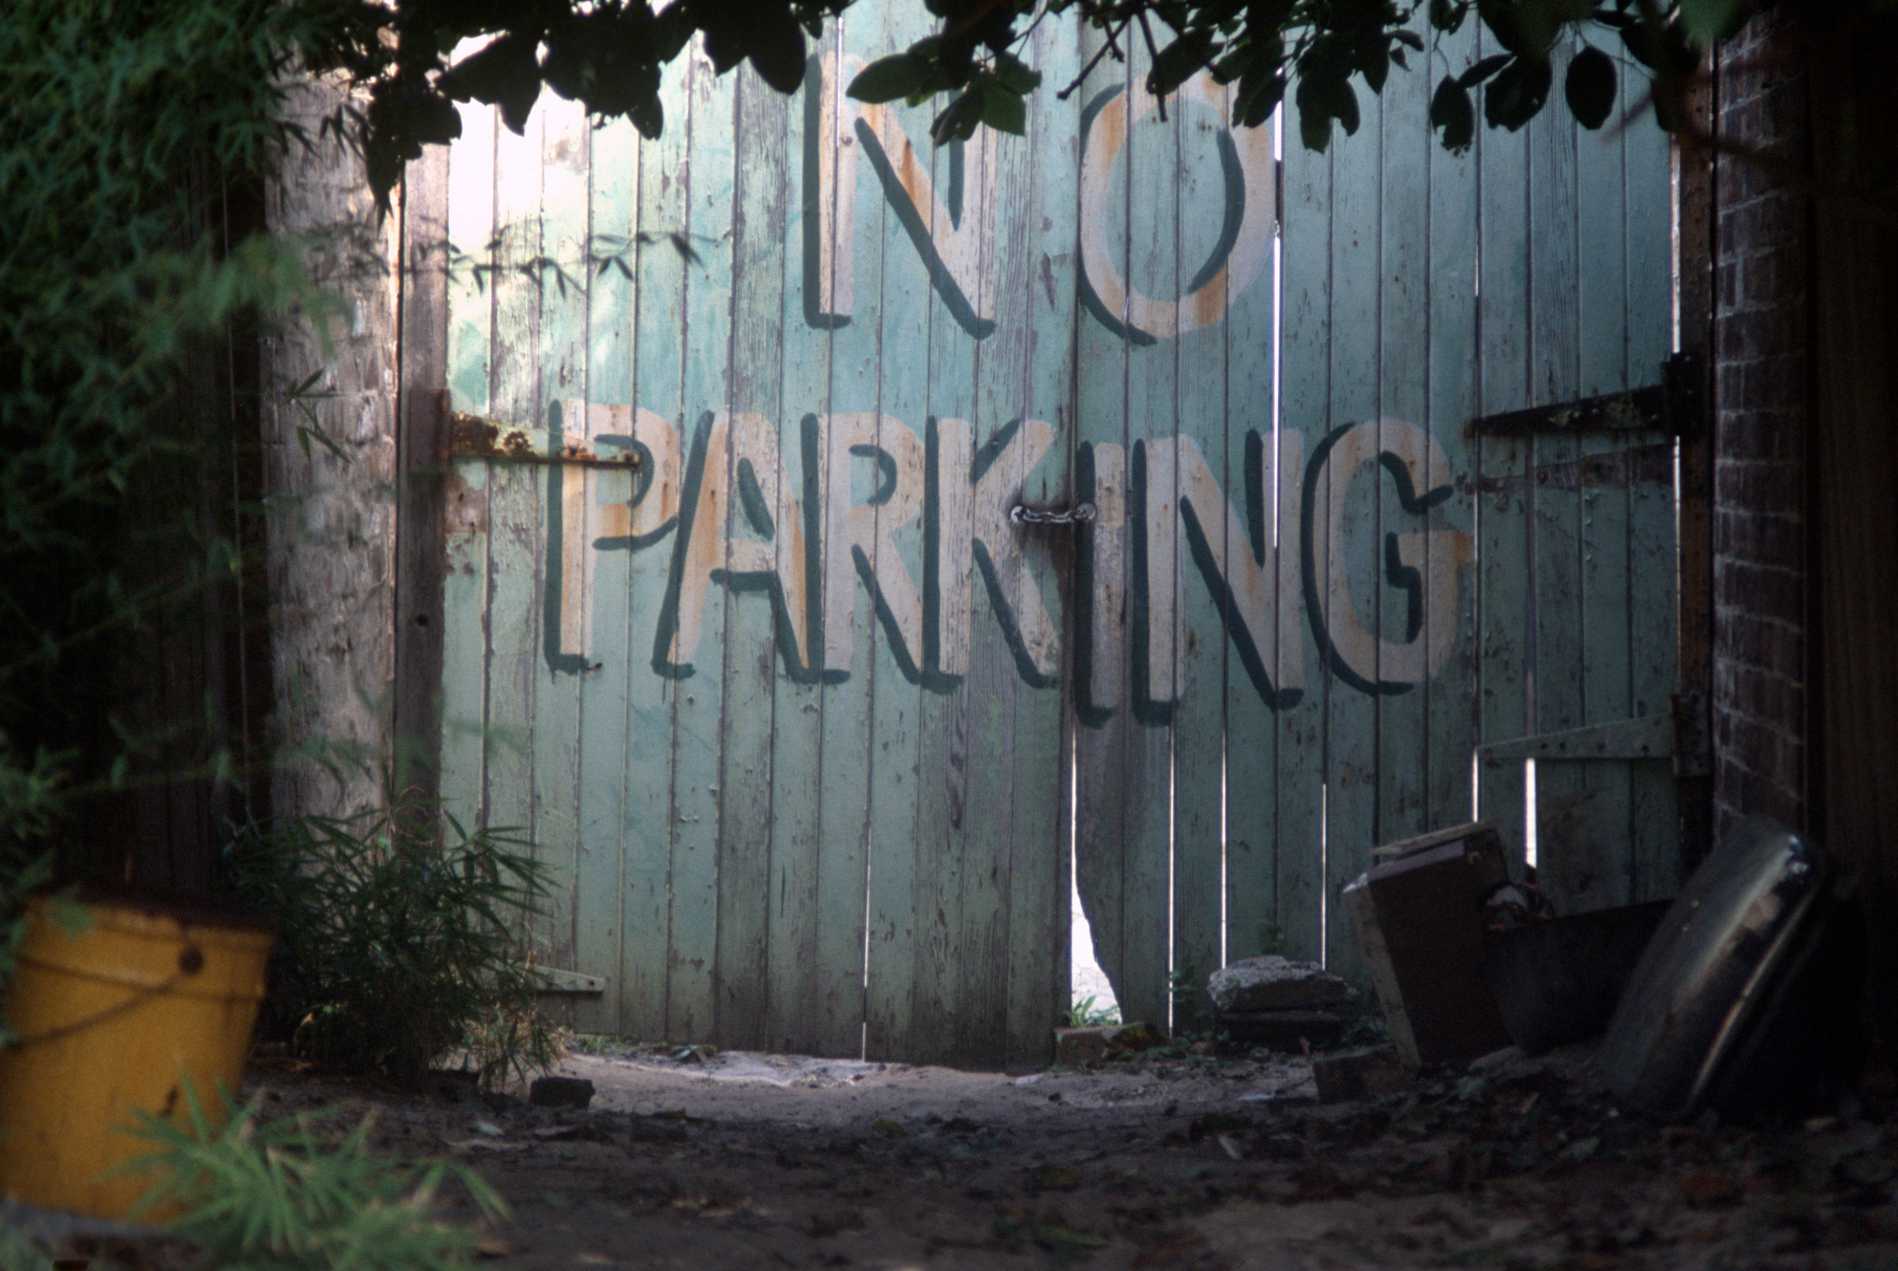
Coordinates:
696 1159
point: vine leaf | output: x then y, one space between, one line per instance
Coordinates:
1517 93
1484 69
1590 87
777 49
1178 61
504 74
887 79
1003 109
1707 21
1453 115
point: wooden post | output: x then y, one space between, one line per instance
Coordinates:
1855 518
422 362
1694 228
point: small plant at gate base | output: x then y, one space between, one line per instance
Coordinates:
1087 1012
295 1193
400 945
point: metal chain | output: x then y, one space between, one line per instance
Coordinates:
1079 514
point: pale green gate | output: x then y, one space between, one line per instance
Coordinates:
824 500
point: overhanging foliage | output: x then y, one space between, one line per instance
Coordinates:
124 124
608 55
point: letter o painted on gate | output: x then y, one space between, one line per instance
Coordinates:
1248 171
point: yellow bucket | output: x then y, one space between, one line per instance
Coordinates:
109 1020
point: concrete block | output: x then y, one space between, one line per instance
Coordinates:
1272 983
1283 1030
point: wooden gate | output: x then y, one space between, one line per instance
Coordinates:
830 513
1383 587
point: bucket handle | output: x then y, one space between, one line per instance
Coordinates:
190 962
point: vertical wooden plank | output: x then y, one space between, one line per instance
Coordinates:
792 1005
1305 413
422 484
895 567
1255 479
1502 465
514 557
1102 715
1153 160
1353 561
605 740
1654 807
657 424
1450 692
1404 282
965 799
1037 876
955 994
471 297
698 699
752 555
1565 854
1602 359
849 636
1200 115
561 516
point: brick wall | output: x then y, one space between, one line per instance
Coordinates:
1762 391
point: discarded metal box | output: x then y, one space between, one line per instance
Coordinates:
1558 980
1419 918
1747 995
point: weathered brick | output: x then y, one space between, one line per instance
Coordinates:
1761 410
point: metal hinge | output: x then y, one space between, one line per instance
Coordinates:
1672 407
1680 735
555 980
1693 735
1643 737
1079 514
